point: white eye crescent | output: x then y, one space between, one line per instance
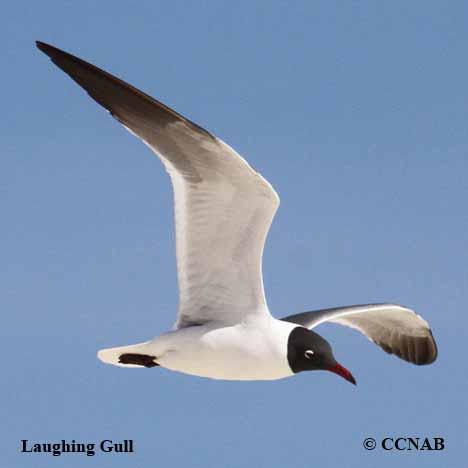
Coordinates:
308 354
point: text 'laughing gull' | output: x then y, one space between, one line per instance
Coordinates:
223 210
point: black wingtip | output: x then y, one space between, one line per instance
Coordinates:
433 349
48 49
54 52
43 46
108 90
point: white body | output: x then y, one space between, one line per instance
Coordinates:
251 350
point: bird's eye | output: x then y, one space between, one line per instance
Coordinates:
308 354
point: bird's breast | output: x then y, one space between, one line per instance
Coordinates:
239 352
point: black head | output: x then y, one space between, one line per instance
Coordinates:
309 351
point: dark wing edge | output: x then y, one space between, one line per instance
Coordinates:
384 325
112 93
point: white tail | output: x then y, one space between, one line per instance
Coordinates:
122 356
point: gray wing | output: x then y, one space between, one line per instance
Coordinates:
396 329
223 208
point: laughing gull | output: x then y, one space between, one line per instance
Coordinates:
223 210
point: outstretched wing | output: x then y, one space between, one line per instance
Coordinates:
397 330
223 208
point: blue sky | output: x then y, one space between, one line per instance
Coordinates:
356 112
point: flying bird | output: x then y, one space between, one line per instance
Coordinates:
223 211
